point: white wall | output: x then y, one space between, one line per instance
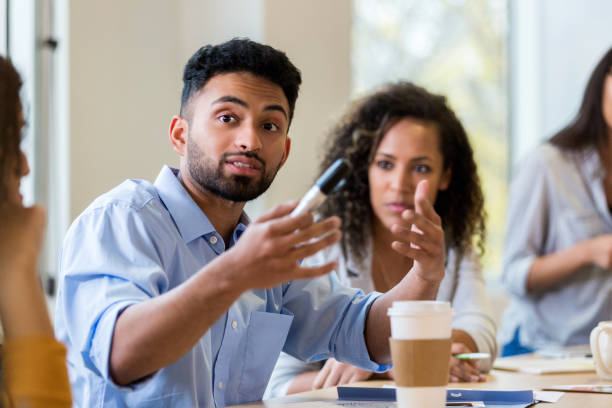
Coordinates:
123 89
575 35
125 80
555 46
315 34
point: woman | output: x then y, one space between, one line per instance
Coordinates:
395 139
34 363
558 250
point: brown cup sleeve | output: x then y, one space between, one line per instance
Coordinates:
421 363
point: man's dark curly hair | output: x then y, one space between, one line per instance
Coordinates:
10 121
241 55
357 137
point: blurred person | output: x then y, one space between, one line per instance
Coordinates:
167 298
397 138
34 370
558 249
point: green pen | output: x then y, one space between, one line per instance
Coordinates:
472 356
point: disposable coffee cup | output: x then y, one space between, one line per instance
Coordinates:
420 349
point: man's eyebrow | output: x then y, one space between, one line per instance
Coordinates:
238 101
231 99
277 108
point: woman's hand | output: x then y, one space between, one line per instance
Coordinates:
463 370
600 250
421 237
335 373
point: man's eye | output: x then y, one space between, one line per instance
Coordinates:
384 164
271 127
227 118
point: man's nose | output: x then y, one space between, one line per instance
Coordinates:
248 139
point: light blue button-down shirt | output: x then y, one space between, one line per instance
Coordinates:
139 241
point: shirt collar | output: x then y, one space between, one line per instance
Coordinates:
190 220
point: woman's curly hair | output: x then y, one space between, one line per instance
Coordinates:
357 137
10 121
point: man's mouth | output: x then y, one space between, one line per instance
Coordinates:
243 165
240 164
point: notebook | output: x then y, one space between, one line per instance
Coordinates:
546 365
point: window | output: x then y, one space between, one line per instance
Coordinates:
457 48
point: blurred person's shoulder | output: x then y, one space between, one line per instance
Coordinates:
544 159
132 198
132 194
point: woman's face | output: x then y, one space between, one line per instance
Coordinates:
407 154
606 103
16 168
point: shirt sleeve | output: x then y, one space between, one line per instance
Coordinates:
527 220
471 308
329 321
35 373
111 259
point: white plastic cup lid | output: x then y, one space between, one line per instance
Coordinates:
418 307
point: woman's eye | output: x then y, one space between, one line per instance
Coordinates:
384 164
421 168
227 118
271 127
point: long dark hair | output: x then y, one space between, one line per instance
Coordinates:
588 129
357 137
10 121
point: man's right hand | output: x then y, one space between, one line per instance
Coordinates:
271 248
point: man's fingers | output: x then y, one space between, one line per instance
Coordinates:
311 231
308 272
311 248
279 211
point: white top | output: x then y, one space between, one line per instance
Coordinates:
463 286
556 201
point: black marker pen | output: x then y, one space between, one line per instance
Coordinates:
323 186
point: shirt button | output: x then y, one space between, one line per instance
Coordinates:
220 385
234 324
213 240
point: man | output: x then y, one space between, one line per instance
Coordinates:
166 298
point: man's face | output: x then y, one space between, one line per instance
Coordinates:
237 138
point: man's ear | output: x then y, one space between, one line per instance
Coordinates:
179 129
287 150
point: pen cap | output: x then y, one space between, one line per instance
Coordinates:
333 176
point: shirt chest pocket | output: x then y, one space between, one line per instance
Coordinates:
266 336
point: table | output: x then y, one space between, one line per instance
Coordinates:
496 379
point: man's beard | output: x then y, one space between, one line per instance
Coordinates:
233 188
